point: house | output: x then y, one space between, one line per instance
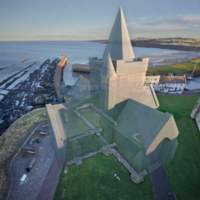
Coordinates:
152 80
171 84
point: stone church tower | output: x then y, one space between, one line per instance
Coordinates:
119 75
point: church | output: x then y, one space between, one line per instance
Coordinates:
116 111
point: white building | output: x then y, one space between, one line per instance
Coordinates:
171 84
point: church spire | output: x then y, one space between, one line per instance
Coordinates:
119 44
110 70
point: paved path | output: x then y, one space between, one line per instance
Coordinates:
51 181
30 188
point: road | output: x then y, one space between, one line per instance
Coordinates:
45 156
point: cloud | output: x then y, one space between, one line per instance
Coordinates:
179 22
187 25
194 19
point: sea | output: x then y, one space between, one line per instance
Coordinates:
14 56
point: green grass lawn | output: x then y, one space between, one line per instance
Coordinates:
94 180
182 68
92 116
72 123
83 146
184 170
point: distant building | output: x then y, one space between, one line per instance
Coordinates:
171 84
152 80
119 74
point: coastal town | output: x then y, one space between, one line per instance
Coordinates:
114 127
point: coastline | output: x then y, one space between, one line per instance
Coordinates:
34 91
159 61
159 43
165 46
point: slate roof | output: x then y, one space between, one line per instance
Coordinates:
172 79
138 122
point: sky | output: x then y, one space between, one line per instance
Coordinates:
93 19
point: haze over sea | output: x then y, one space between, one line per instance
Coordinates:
13 53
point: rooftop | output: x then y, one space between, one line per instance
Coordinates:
140 123
172 79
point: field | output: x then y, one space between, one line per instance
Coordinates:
94 179
184 170
179 69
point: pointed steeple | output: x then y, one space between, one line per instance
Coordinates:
110 70
119 44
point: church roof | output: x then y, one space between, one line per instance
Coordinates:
119 44
139 123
